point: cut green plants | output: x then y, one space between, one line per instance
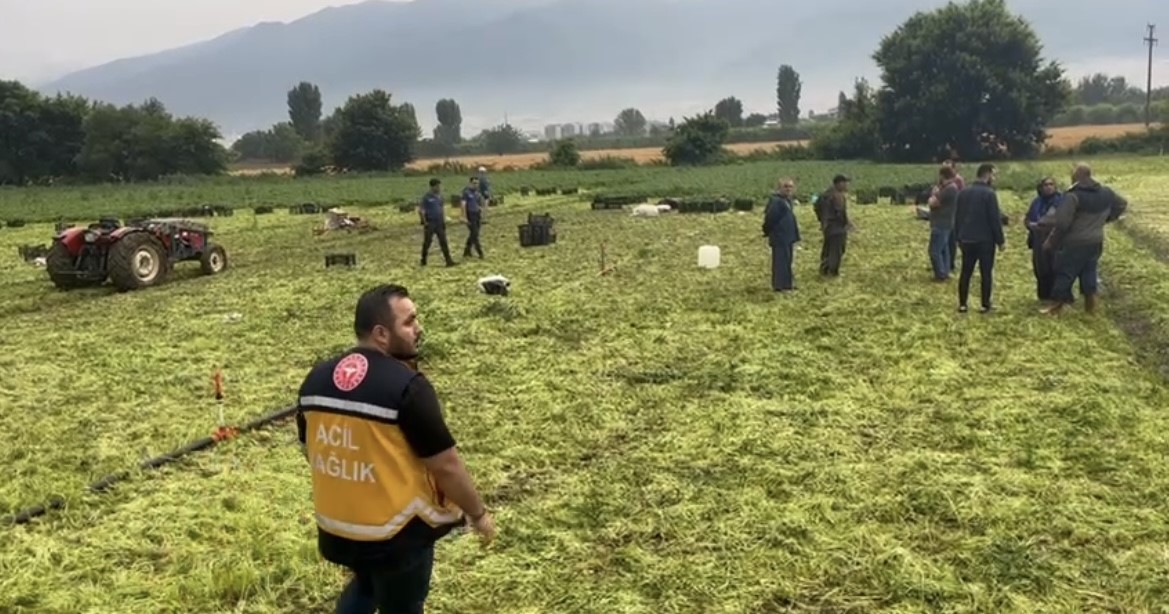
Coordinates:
660 438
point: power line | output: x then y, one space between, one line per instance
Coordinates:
1151 41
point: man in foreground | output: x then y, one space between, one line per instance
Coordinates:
782 232
432 214
979 225
942 207
387 479
1077 237
472 205
832 211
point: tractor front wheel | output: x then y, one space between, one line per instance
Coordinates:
137 260
61 265
213 260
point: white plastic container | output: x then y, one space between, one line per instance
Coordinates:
708 256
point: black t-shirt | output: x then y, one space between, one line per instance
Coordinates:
424 428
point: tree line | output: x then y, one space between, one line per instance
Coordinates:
986 94
64 137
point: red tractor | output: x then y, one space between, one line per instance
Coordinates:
137 255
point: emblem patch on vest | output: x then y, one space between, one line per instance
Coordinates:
350 372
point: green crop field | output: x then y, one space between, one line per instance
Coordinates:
661 439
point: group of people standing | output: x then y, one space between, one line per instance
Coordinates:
1065 233
432 215
782 230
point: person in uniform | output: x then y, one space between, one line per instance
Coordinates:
387 479
782 232
432 214
472 204
832 212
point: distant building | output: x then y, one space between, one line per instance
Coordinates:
551 132
595 129
568 130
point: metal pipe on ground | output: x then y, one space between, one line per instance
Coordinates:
104 484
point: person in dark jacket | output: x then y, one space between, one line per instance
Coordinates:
783 232
1077 237
979 225
431 211
832 212
472 208
1042 261
942 207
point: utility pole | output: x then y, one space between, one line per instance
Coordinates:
1151 41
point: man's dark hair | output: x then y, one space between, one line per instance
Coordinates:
839 179
474 179
373 308
985 169
435 181
947 172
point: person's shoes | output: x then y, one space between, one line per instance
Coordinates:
1090 303
963 309
985 309
452 263
1052 310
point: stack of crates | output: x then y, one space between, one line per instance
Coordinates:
538 231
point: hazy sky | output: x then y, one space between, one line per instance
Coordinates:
43 39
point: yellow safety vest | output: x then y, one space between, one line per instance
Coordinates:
367 482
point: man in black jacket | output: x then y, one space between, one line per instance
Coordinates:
782 232
979 226
1077 237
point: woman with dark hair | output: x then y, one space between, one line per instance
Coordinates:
1042 261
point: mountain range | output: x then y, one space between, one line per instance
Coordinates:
545 61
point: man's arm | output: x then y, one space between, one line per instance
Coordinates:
426 432
1119 206
996 220
1065 214
463 205
422 211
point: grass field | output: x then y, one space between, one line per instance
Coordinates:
663 439
1062 138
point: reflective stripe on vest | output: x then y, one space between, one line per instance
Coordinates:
417 507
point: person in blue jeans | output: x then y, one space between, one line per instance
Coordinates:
942 207
1077 237
1042 260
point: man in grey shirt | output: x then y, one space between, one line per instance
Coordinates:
1077 237
942 207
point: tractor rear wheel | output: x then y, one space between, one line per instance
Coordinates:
60 264
214 259
137 260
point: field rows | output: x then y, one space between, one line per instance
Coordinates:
663 439
755 180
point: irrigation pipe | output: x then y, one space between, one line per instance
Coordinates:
105 483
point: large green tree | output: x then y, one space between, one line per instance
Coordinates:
449 131
697 140
730 110
966 80
503 139
304 110
630 122
788 88
373 134
40 137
